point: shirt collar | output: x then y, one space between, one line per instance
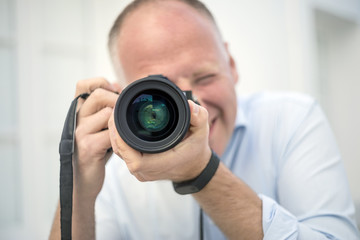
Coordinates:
240 120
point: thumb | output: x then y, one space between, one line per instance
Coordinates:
199 115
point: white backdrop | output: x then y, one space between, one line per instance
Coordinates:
310 46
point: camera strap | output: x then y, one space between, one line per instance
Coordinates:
66 150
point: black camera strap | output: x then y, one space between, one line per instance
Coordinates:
66 150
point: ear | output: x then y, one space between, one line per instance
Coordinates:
232 64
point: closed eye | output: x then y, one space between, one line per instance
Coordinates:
204 80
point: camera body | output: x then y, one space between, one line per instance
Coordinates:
152 114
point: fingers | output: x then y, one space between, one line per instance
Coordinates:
92 117
102 139
185 161
98 99
119 146
89 85
93 147
92 135
116 87
94 123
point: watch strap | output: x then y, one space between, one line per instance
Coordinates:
197 184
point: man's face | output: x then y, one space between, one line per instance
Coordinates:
176 41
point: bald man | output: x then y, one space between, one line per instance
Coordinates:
280 174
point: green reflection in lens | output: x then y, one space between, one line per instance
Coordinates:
153 116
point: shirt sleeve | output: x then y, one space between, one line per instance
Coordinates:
313 197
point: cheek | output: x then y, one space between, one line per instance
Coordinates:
210 98
219 95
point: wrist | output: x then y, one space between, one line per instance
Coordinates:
84 193
199 165
83 218
83 200
198 183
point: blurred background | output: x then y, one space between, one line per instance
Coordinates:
46 46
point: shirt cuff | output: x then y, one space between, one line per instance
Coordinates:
277 222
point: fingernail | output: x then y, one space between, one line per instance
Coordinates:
195 108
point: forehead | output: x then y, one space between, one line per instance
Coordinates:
166 32
164 14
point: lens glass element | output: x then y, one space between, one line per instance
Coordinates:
152 115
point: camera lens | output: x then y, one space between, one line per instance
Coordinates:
152 114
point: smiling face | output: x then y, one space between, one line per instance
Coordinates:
175 40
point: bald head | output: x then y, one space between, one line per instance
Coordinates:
157 15
172 38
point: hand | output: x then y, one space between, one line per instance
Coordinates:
183 162
91 136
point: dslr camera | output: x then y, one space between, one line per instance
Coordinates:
152 114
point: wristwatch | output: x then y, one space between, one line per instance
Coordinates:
198 183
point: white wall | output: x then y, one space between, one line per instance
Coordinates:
47 45
339 83
268 40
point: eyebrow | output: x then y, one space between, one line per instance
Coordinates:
205 69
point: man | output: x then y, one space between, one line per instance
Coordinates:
280 175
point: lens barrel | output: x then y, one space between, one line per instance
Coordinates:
152 114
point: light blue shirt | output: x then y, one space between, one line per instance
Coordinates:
282 147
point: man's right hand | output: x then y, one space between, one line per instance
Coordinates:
91 153
91 136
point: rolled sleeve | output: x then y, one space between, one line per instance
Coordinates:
278 223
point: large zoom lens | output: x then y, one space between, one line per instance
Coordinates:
152 114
